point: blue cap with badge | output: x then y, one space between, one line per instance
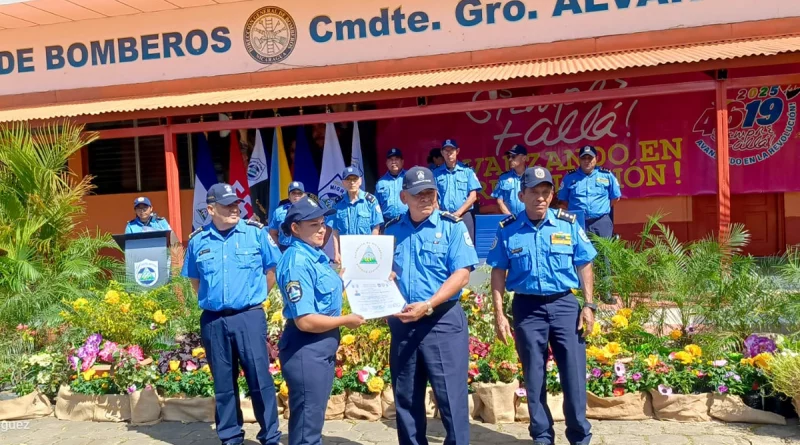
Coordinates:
450 143
296 185
142 200
418 179
517 150
587 150
534 176
351 171
394 153
222 194
305 209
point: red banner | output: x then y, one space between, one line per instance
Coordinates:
659 146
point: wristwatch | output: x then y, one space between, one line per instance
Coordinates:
430 308
591 306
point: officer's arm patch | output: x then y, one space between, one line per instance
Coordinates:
566 216
451 217
508 220
198 230
494 243
583 235
370 198
293 291
252 222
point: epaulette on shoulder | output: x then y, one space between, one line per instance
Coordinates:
508 220
252 222
198 230
451 217
132 221
605 170
566 216
571 172
370 197
392 221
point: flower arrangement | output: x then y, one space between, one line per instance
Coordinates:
365 380
188 355
44 372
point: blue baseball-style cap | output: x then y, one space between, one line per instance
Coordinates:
305 209
587 150
222 194
418 179
394 153
517 150
450 143
534 176
351 171
142 200
296 185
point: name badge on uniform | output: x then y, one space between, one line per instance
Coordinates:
203 252
561 238
603 181
516 251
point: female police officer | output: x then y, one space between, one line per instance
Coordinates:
312 299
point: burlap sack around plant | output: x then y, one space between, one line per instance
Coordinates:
31 406
630 406
285 403
387 403
248 415
431 407
522 412
732 409
74 407
555 403
363 406
112 408
145 407
336 406
192 409
475 407
681 407
498 401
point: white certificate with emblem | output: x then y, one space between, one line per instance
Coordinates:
367 262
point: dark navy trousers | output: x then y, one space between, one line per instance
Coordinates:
537 321
232 339
602 226
434 348
308 363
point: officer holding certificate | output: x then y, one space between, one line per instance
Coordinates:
433 258
312 306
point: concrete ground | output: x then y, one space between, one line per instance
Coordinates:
50 431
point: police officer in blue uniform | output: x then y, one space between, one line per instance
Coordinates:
146 219
508 186
458 186
433 258
435 159
296 191
357 212
593 190
539 250
312 306
227 262
387 190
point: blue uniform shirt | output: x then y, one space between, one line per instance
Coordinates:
387 190
356 218
540 260
278 217
307 282
155 224
455 185
508 187
231 270
590 193
425 256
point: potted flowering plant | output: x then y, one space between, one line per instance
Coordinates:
364 388
188 395
680 396
137 377
617 390
496 383
36 380
724 381
338 399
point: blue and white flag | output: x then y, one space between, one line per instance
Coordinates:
357 160
204 178
330 179
257 179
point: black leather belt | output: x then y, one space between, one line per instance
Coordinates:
546 298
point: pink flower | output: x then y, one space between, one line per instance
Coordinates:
473 372
274 369
136 351
107 354
665 390
521 392
131 389
620 380
619 369
479 299
719 363
190 365
363 376
672 356
636 376
22 327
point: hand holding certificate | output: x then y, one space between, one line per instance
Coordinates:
367 263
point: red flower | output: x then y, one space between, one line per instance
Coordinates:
339 373
755 386
619 391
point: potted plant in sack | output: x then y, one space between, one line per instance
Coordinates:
364 388
36 379
496 383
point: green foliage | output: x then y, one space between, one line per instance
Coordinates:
44 372
784 373
338 387
188 383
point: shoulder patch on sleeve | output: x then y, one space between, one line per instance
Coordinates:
392 221
449 216
566 216
199 229
252 222
508 220
583 235
294 292
370 197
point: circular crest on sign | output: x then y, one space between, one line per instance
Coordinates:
270 35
